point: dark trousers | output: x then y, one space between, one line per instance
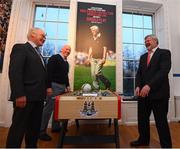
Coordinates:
160 110
25 122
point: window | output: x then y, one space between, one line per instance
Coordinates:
54 20
135 28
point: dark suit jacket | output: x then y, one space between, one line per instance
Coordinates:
155 74
27 74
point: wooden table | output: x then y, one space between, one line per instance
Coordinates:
104 105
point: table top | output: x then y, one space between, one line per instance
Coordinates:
94 93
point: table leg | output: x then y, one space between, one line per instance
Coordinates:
62 133
116 130
110 122
77 123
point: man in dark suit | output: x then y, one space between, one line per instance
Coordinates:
152 88
27 75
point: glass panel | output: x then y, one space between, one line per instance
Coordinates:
147 32
60 44
40 25
128 51
136 65
127 20
138 51
138 21
148 22
51 30
133 46
138 36
128 86
40 13
48 48
63 15
52 14
63 30
127 35
128 68
49 18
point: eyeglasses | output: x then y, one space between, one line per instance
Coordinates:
43 35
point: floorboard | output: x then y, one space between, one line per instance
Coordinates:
127 134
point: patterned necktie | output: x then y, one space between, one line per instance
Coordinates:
39 53
149 57
38 50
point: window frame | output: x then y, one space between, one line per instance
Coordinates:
57 22
134 60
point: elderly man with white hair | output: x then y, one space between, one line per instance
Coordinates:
57 83
27 75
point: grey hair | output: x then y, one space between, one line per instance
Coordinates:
32 31
153 37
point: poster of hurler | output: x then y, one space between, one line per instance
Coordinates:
95 53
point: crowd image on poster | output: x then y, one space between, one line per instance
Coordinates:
95 55
5 10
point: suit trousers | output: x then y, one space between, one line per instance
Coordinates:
49 107
25 122
160 110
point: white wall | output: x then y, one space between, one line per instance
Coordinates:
174 11
174 21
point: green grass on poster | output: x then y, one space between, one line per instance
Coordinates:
82 74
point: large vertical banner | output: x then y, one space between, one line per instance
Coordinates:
5 10
95 53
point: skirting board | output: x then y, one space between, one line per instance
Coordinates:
1 124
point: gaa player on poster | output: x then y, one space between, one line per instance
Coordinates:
97 57
95 54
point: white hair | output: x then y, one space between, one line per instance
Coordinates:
94 27
32 31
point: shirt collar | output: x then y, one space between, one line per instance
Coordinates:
153 50
32 44
63 57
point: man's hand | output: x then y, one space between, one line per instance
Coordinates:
137 91
145 91
49 91
21 102
68 89
87 62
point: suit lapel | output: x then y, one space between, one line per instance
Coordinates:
154 57
35 53
144 61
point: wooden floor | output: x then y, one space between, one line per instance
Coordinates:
127 134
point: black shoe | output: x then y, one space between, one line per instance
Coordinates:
55 130
105 81
45 137
138 143
108 85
